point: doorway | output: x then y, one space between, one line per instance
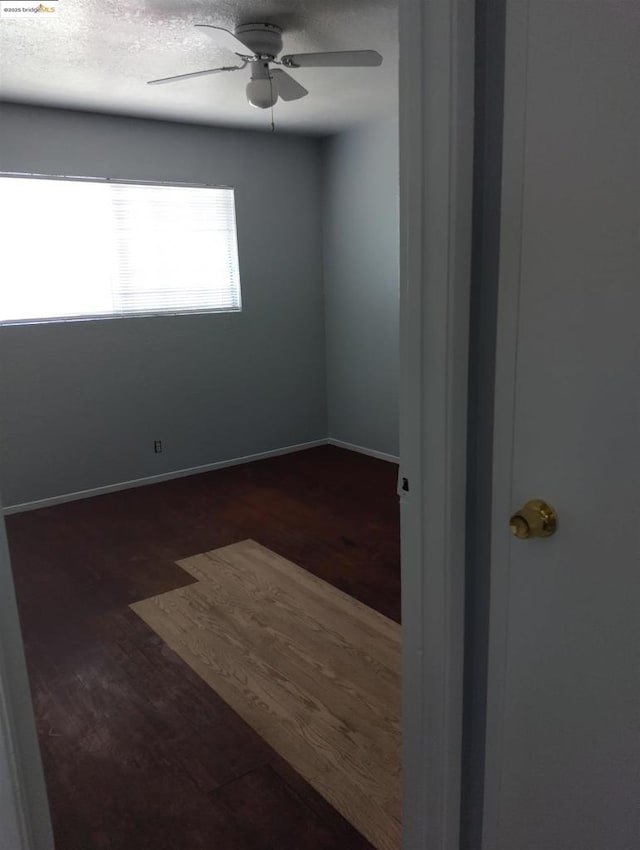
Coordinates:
435 151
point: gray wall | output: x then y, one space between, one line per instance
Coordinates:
361 268
82 402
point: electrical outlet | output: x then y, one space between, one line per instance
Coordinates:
157 446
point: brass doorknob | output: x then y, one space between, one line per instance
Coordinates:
536 519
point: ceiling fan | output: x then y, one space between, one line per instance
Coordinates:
259 45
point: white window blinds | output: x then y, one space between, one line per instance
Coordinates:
74 249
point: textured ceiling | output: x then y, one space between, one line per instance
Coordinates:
98 56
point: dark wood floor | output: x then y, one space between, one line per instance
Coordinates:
139 753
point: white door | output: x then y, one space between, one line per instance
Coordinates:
563 745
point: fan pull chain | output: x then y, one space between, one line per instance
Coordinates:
273 126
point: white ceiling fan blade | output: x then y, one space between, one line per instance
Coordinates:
335 59
194 74
286 86
224 38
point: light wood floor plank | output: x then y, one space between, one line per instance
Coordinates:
283 644
337 713
249 549
356 624
308 629
312 670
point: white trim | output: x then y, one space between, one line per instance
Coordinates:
157 479
183 473
14 825
24 813
436 159
86 179
363 451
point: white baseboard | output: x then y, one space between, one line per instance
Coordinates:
193 470
363 451
156 479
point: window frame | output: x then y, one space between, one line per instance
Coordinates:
99 317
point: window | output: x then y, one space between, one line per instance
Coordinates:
87 249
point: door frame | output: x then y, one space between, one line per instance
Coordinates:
24 809
436 165
437 56
507 321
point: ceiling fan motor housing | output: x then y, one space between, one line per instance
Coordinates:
262 39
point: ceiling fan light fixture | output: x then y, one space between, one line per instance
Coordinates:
261 93
264 41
